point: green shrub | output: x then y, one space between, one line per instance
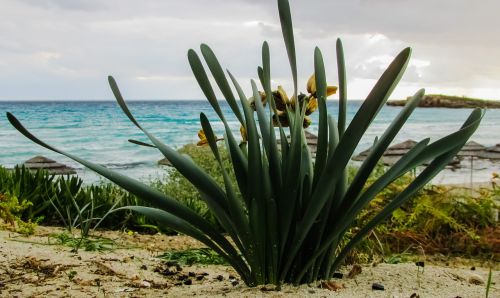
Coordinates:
438 219
178 187
289 222
10 211
38 189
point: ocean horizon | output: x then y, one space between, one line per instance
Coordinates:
97 130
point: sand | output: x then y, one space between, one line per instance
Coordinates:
32 268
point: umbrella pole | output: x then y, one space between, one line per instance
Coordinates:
471 172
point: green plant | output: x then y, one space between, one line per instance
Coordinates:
488 283
89 243
289 221
203 256
182 190
10 211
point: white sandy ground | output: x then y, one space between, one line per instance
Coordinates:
31 268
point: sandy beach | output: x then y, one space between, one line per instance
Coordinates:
33 268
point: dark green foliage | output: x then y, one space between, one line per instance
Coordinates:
42 192
202 256
176 185
438 219
87 243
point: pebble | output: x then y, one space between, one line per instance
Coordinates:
144 267
377 286
338 275
476 279
188 282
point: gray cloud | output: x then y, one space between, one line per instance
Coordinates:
56 49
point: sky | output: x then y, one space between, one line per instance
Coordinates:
65 49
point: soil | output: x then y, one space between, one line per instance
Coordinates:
31 267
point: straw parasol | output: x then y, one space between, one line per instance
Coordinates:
51 166
491 153
391 155
395 152
165 162
471 149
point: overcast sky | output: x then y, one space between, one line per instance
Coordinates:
64 49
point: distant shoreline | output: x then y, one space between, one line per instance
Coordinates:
453 102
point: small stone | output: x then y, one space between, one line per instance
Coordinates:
378 286
338 275
188 282
473 268
200 277
144 267
420 264
312 291
476 279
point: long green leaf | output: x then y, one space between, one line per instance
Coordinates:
287 29
201 180
342 87
220 79
322 146
204 82
378 150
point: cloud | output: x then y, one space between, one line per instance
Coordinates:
47 44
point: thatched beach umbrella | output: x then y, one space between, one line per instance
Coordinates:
471 149
395 152
51 166
165 162
391 155
491 153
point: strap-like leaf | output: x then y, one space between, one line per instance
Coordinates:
378 149
287 29
201 180
203 81
220 79
342 87
141 143
322 146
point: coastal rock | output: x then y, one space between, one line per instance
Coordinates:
454 102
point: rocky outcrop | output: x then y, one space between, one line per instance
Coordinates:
454 102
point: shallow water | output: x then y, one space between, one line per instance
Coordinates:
98 131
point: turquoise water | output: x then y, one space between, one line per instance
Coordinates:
98 131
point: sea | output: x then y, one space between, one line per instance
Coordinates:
99 131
